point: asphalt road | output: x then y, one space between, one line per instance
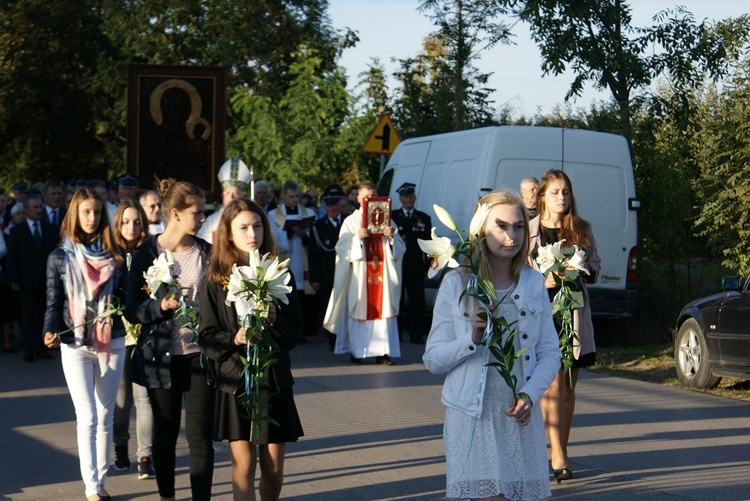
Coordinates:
375 433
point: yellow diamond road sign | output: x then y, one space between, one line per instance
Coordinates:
383 139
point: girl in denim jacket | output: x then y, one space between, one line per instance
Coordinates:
495 447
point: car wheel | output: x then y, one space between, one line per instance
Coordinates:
691 357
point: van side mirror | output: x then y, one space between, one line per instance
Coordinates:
730 283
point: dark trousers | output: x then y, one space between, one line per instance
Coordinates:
309 313
33 305
322 297
188 379
414 288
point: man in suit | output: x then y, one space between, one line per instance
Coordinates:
127 187
528 192
29 244
263 196
53 212
413 224
321 252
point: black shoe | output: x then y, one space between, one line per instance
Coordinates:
122 463
146 469
354 360
384 360
564 474
29 358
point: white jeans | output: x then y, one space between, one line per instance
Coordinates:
92 383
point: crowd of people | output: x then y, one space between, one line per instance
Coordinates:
71 253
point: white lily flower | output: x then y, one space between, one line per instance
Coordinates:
577 259
277 277
550 256
478 220
236 286
440 251
444 217
160 272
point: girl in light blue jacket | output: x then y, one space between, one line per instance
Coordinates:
495 447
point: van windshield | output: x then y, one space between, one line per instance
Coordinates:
384 186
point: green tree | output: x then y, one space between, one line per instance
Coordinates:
426 101
253 39
596 40
723 152
48 59
469 27
305 136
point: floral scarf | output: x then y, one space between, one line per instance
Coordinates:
88 269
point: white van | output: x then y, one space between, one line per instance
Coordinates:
453 170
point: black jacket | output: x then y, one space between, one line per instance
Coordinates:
151 358
417 226
321 251
27 260
57 315
219 325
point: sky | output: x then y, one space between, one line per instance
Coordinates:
391 29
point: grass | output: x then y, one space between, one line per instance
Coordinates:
655 364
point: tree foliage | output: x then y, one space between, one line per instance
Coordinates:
426 101
596 40
307 136
723 186
48 59
468 27
62 88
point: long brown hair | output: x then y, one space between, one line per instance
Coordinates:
223 252
177 195
71 227
119 214
575 230
504 196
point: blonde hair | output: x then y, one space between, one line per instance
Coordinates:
71 227
503 196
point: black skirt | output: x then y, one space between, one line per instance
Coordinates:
231 422
587 360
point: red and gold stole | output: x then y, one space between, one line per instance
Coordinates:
374 258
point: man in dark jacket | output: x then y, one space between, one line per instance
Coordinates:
413 224
321 252
29 244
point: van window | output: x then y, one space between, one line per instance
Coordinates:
384 186
600 193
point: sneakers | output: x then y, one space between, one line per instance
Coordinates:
146 469
122 463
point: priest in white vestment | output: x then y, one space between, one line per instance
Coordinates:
363 308
234 177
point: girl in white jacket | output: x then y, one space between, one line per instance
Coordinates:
495 447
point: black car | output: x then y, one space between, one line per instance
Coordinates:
712 336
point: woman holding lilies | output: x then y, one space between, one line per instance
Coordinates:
244 230
85 285
130 231
163 289
494 436
558 221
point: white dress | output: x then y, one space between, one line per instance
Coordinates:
492 454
